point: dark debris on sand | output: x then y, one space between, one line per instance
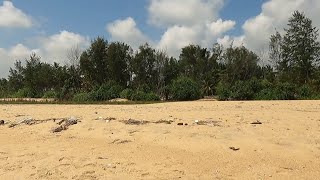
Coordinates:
64 124
135 122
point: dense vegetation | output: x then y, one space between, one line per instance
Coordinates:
108 70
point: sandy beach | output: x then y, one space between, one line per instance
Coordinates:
216 141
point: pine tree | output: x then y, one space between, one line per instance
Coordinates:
300 48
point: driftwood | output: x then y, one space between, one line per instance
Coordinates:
256 122
234 149
164 122
31 121
58 129
210 123
135 122
64 124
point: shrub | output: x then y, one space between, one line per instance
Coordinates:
152 97
223 91
266 94
106 91
114 92
81 97
184 89
50 94
3 94
139 96
65 94
242 90
25 93
126 94
285 91
305 92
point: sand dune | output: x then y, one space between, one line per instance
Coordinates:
285 146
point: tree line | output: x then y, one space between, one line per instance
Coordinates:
108 70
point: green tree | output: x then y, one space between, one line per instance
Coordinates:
240 64
119 56
143 67
275 52
194 62
3 87
93 63
184 89
16 77
300 49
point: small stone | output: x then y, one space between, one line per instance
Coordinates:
186 124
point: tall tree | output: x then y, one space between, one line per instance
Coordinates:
241 64
93 63
119 56
3 87
16 76
194 62
275 52
300 48
144 69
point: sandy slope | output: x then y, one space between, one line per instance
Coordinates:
285 146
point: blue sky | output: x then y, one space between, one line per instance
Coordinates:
89 18
51 28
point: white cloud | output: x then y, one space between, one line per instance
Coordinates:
226 41
54 48
11 17
166 13
51 49
127 31
10 55
275 15
177 37
219 27
186 22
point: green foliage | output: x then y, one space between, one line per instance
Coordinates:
139 96
223 91
280 91
184 89
106 91
143 96
127 94
242 90
118 57
94 62
152 97
285 91
266 94
25 93
296 53
233 73
143 65
81 97
305 92
241 64
50 94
